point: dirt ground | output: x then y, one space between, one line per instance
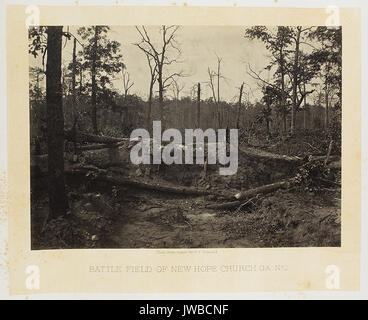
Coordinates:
283 219
136 218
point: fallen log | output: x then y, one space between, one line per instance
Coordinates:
71 135
330 182
100 146
249 194
224 206
105 175
261 154
320 158
257 153
334 165
230 205
263 189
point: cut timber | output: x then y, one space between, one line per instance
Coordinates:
85 137
100 146
156 186
328 152
249 194
320 158
334 165
229 205
265 155
103 175
263 189
329 182
224 206
257 153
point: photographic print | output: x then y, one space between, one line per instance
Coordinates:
185 136
183 149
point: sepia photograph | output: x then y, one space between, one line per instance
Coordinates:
171 136
182 150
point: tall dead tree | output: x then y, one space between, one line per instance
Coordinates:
177 88
127 83
295 73
239 105
74 71
163 54
327 100
81 80
198 105
74 93
216 76
306 110
58 202
153 73
283 95
211 84
94 85
211 76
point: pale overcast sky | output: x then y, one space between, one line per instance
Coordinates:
199 46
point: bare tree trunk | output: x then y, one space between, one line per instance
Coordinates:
284 121
94 86
295 81
74 71
239 106
327 120
58 202
220 110
149 109
326 109
198 105
268 127
282 98
80 81
305 111
218 80
126 83
328 152
74 94
160 94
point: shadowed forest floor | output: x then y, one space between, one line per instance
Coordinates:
152 220
108 216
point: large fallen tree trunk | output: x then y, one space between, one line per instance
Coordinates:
265 155
105 142
72 135
116 179
224 206
263 189
258 153
251 193
100 146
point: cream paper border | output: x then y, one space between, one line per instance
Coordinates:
270 269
